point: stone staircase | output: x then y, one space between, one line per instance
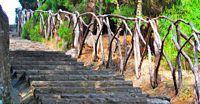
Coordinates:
45 77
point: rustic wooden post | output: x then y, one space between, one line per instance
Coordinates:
137 54
19 22
178 59
49 24
196 68
76 32
4 57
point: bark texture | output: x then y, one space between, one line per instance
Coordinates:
139 9
91 7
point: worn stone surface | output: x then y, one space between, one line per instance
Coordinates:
4 58
55 78
16 43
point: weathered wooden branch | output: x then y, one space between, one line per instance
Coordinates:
91 13
178 59
106 22
101 42
186 37
150 65
137 55
173 70
99 36
84 37
80 18
125 42
183 53
48 25
110 45
121 17
131 49
121 62
157 48
196 68
59 19
76 33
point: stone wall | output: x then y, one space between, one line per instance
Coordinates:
4 57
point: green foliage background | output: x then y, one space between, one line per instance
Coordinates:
66 34
32 31
188 10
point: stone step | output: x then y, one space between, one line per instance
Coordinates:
81 83
85 90
138 100
24 52
38 55
48 67
56 78
28 51
158 100
111 98
52 58
63 72
46 63
74 77
19 69
91 95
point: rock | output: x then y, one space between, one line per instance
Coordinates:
158 100
90 40
73 52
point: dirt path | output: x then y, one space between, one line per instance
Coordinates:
16 43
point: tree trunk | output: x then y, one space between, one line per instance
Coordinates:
91 7
139 9
4 58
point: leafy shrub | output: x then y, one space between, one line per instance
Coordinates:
66 34
31 31
187 10
35 34
25 29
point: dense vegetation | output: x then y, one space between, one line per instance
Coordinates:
66 34
185 9
32 31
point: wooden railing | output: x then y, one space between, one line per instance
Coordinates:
95 28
